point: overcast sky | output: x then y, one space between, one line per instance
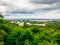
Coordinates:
21 9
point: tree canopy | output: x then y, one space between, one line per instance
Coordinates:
1 16
13 34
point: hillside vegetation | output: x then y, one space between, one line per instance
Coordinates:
13 34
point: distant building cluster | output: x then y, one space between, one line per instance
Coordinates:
21 23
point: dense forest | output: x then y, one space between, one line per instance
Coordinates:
13 34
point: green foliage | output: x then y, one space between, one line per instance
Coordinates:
3 35
1 43
1 16
13 34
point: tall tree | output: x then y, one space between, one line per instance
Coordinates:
1 16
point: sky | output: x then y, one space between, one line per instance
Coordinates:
30 9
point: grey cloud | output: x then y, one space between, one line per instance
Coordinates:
21 12
12 9
45 1
5 3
